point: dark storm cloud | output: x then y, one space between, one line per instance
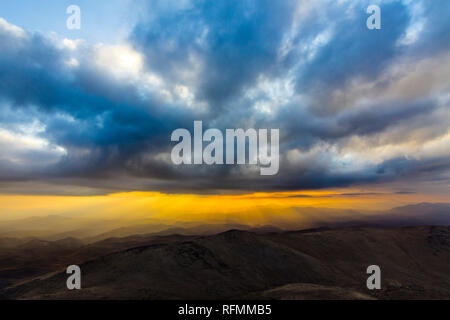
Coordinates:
235 40
80 109
355 50
100 131
402 166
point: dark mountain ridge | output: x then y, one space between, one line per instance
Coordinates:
277 265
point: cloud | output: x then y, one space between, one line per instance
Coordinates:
352 51
219 48
354 106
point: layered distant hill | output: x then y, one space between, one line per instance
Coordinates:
91 230
262 264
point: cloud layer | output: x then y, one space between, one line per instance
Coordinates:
354 106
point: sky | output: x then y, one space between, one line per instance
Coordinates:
90 112
102 21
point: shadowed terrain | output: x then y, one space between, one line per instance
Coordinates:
308 264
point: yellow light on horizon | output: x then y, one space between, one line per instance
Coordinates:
251 208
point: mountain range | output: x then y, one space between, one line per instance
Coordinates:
306 264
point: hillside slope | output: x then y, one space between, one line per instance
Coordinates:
237 264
